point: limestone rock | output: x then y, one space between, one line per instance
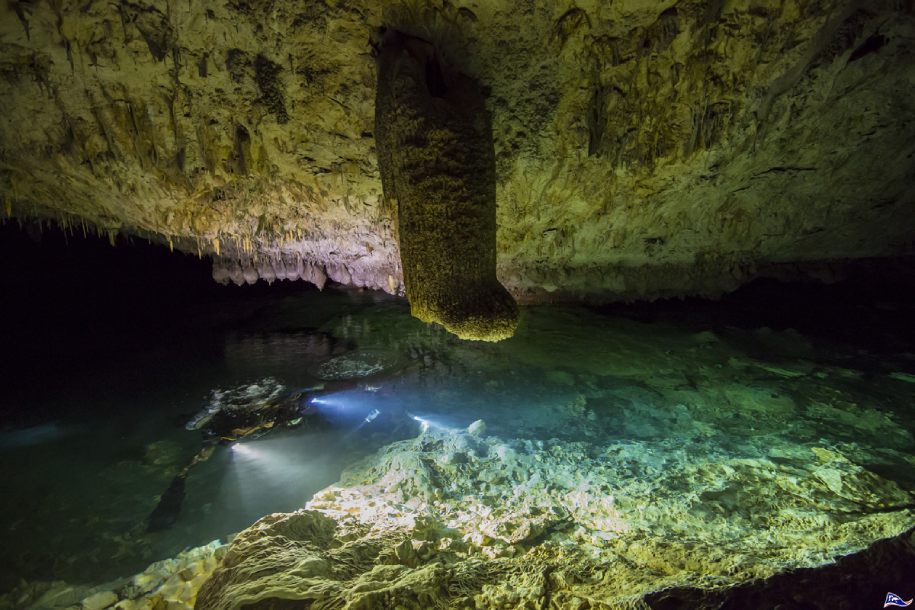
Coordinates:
643 148
477 428
454 521
435 154
100 600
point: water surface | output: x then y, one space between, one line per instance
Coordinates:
81 477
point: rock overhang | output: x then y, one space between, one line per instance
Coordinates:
643 149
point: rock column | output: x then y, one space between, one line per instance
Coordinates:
435 153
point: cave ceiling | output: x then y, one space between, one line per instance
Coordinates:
643 148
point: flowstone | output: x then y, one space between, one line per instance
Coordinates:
454 520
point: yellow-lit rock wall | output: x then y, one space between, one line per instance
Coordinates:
643 148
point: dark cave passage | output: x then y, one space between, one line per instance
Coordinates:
74 304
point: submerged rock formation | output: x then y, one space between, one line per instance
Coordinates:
171 583
438 167
457 520
643 148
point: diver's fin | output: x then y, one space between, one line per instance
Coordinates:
166 512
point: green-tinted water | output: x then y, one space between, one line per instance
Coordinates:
768 444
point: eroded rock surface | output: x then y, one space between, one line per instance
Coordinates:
435 153
456 520
643 148
171 583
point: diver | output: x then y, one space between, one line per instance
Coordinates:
248 411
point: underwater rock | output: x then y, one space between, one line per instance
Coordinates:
477 428
45 595
453 520
170 584
438 168
100 600
163 453
355 365
901 376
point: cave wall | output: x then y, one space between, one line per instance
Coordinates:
643 148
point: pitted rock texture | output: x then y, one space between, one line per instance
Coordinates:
435 153
459 520
643 147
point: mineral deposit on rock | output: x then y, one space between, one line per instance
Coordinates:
453 520
643 148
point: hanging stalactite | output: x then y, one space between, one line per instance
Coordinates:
435 153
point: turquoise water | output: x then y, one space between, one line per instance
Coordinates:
668 393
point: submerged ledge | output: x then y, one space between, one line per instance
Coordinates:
456 519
